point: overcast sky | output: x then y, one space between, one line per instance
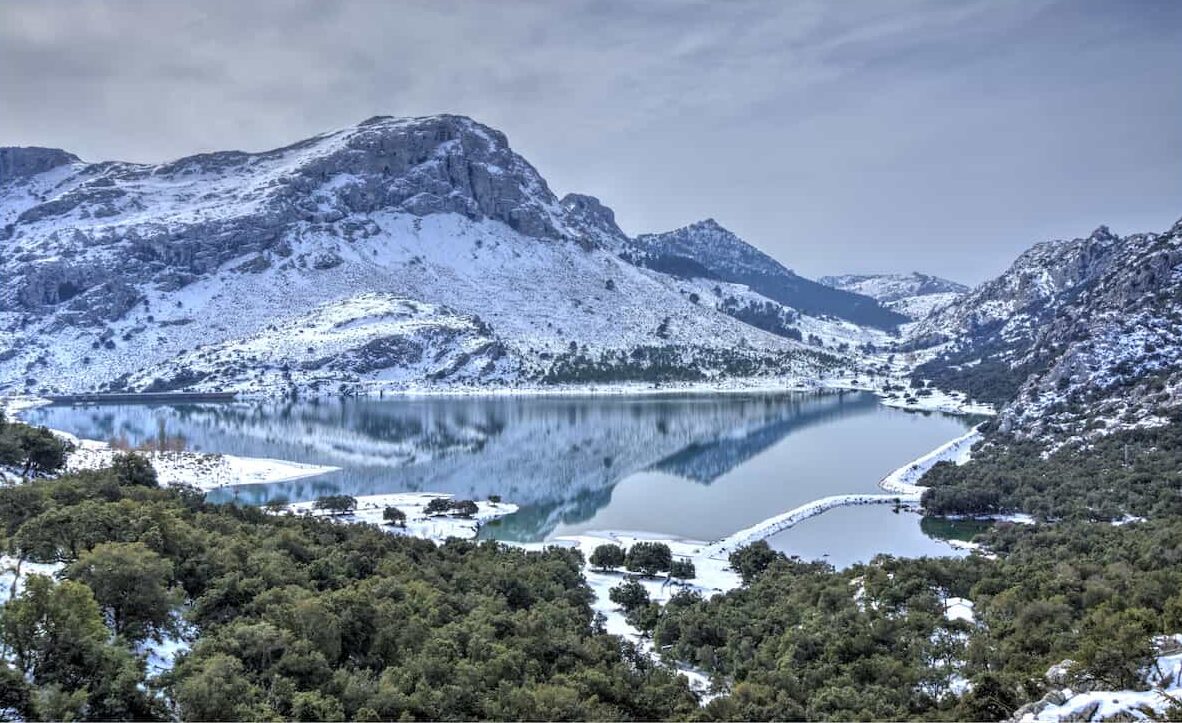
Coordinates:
937 136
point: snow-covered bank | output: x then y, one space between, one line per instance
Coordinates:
903 480
205 471
370 510
934 400
202 470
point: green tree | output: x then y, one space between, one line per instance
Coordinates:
57 638
134 469
751 560
438 506
464 508
607 557
43 452
394 516
629 595
683 570
336 504
131 583
648 558
215 688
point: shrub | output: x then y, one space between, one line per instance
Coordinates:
629 595
648 558
607 557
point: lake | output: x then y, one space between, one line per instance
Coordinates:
691 466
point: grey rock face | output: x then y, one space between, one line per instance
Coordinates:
246 204
597 223
18 162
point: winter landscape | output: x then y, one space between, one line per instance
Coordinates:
784 407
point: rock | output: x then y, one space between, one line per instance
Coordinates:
1087 712
29 161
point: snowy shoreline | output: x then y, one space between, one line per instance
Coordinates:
418 522
205 471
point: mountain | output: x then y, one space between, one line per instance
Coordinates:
1076 339
709 251
913 295
397 253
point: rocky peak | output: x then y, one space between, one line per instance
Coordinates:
21 162
588 216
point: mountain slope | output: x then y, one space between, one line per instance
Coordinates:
707 250
914 295
209 271
1080 337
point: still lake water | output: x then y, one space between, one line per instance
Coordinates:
695 466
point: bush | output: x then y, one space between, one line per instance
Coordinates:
134 469
683 570
648 558
606 557
394 516
629 595
438 506
464 508
336 504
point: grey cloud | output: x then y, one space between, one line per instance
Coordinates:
855 136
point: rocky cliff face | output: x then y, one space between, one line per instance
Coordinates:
17 163
1077 338
1113 348
228 269
110 227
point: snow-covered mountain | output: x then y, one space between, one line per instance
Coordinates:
707 250
397 252
1078 337
913 295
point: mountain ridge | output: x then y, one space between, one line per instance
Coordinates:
134 276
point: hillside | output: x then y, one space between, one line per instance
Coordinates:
707 250
913 295
398 253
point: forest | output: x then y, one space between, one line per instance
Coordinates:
1134 472
297 618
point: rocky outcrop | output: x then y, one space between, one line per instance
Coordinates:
222 206
914 295
16 162
593 221
1078 338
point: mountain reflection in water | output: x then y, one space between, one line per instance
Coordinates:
560 459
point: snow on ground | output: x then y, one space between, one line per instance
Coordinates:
1163 678
161 651
959 608
202 470
712 576
904 479
418 523
935 400
11 582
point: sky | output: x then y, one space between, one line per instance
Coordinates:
859 136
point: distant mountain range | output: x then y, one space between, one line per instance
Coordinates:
913 295
421 253
397 253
